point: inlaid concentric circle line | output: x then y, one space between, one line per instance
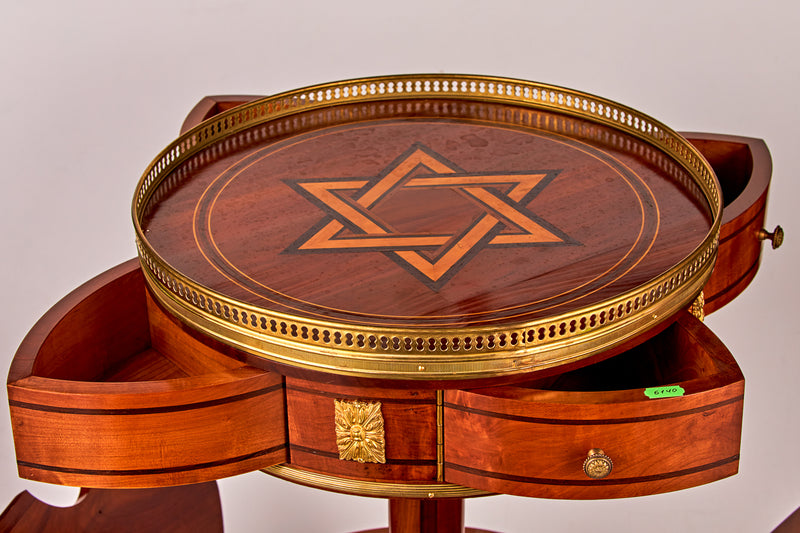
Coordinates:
353 313
335 129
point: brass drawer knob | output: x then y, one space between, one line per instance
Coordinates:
597 465
776 236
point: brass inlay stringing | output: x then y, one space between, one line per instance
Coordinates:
439 435
359 431
697 308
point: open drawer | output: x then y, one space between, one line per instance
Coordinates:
107 391
744 169
534 439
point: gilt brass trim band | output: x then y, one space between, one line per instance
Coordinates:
373 489
429 353
551 342
439 435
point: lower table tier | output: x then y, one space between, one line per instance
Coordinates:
193 509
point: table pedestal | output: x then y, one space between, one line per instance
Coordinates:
426 516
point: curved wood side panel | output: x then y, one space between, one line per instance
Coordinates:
80 324
744 169
532 440
189 509
173 412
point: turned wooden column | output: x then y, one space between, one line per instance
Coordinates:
426 516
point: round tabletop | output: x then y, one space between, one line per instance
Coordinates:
427 234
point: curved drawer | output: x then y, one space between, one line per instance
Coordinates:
533 439
744 169
107 391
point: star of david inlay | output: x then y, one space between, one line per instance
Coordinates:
351 225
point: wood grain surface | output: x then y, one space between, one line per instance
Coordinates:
107 391
426 516
742 165
187 509
409 427
532 440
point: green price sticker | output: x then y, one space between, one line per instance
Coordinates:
669 391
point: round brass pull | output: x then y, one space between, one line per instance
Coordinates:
776 236
597 465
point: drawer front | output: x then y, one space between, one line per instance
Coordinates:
532 442
168 444
530 456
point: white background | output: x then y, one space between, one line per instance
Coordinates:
90 91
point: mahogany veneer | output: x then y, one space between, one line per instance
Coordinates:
410 429
428 517
187 509
427 239
107 391
532 439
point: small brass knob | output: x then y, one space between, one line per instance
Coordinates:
597 465
776 236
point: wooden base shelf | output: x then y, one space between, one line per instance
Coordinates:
188 509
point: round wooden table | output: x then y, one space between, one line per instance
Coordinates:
421 288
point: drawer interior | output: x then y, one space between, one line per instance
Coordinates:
673 356
744 168
116 333
732 163
109 391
